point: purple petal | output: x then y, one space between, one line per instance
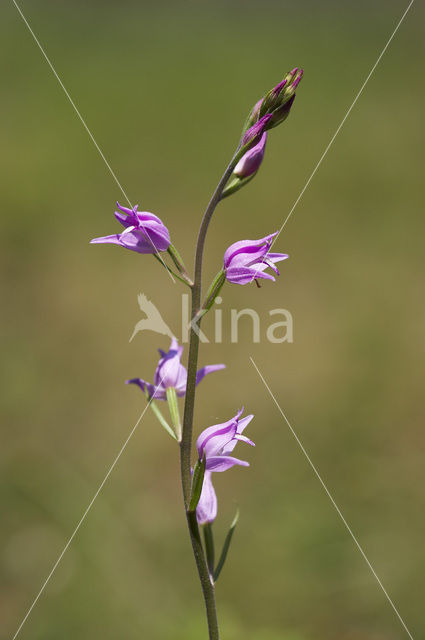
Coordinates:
143 385
277 257
240 438
114 239
222 463
247 250
168 372
245 275
209 368
147 216
206 511
242 424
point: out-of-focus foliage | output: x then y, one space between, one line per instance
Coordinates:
165 89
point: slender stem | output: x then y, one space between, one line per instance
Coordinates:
186 444
207 583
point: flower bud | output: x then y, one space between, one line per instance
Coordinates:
251 161
277 97
280 114
254 133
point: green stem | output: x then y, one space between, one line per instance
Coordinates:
186 443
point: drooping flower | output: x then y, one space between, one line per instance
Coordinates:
246 260
218 441
144 232
251 161
206 511
171 373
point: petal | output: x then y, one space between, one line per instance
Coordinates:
181 381
242 424
277 257
222 463
209 368
143 385
206 511
114 239
156 234
241 438
247 250
168 372
137 241
147 216
245 275
126 210
149 239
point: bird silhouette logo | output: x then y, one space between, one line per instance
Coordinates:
153 320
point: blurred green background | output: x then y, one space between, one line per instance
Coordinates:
165 89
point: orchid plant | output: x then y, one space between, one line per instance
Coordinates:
244 262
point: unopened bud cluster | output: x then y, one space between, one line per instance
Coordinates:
268 112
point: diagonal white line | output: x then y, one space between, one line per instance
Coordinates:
338 510
341 124
92 138
322 157
111 468
72 102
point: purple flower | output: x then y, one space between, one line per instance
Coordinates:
251 161
206 511
171 373
246 260
218 441
144 232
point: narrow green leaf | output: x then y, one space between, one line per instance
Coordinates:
197 482
162 421
236 184
213 291
173 406
226 546
209 546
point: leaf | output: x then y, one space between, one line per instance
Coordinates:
209 546
197 482
162 421
226 546
173 405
